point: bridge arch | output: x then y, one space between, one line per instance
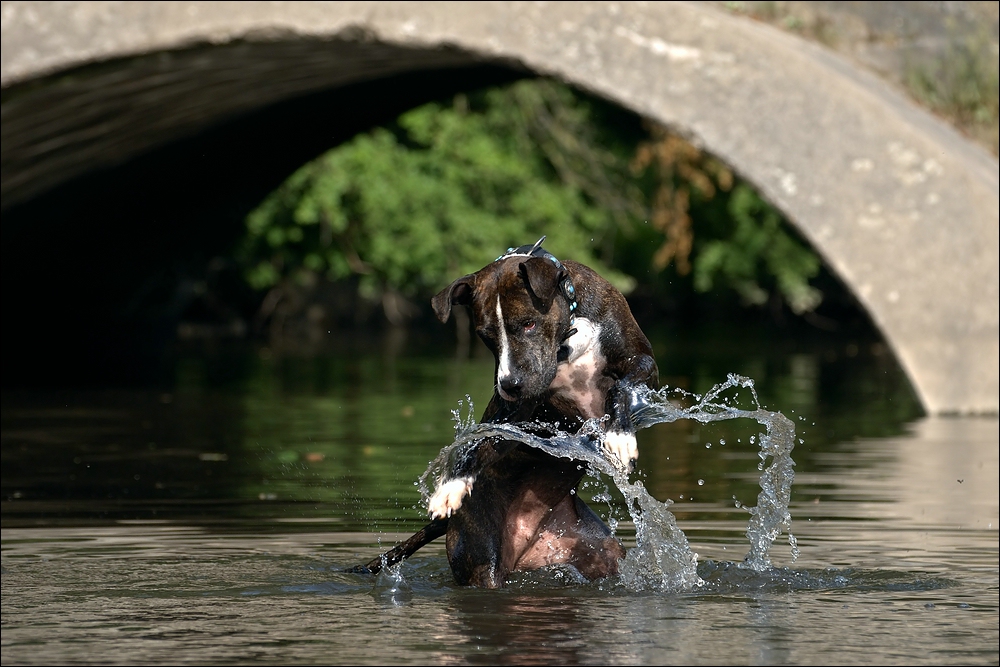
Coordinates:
902 208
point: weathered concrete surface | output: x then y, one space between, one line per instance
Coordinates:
905 210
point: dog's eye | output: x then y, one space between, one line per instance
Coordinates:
529 326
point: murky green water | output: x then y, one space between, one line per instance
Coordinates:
208 520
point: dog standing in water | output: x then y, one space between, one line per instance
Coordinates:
567 349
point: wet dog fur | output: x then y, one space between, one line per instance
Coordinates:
567 349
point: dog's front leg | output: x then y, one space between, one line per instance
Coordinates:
623 401
466 463
463 469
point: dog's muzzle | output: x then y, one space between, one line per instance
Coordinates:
510 387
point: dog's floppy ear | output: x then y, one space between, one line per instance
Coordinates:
457 293
542 277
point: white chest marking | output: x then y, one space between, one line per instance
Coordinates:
576 378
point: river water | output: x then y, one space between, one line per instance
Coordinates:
209 518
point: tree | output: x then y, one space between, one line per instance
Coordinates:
404 209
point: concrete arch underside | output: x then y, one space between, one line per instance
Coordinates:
902 208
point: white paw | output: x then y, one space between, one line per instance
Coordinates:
621 448
447 498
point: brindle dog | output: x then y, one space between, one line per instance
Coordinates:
567 349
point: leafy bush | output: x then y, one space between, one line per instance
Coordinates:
405 209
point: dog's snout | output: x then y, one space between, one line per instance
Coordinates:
511 386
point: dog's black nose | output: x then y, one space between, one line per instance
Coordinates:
511 385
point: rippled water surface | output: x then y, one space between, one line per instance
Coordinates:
209 519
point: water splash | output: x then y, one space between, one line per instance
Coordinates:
662 558
391 586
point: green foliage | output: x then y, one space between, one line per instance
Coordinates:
403 210
963 85
407 209
757 248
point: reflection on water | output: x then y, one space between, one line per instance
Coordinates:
210 520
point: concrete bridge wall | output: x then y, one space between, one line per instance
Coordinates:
900 206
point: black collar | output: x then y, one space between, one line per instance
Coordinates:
566 285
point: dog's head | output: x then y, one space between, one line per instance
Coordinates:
522 307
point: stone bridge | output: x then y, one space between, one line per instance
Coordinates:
902 208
